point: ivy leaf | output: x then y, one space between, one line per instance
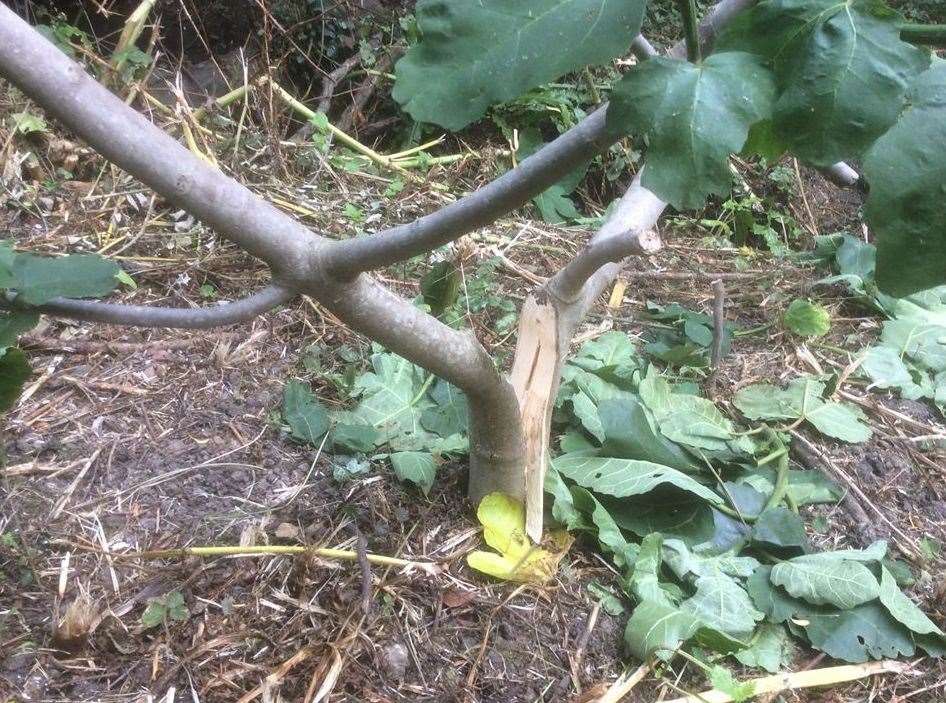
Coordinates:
177 609
14 371
476 54
39 279
27 123
906 208
902 608
625 477
841 68
695 116
417 467
307 419
171 606
826 581
807 319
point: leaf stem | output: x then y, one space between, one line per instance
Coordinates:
423 389
926 34
691 26
781 471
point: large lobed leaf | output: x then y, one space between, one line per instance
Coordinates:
838 582
906 207
803 400
695 116
39 279
626 477
476 54
841 69
392 403
307 418
14 370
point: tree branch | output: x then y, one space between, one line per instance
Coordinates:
146 316
127 139
511 190
514 188
495 428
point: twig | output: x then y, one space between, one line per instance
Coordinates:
804 199
623 685
910 546
340 135
324 552
719 322
364 93
365 573
802 679
61 503
579 657
719 335
79 346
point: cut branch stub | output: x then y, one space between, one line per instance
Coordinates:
535 378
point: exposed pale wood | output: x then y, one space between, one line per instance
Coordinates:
534 378
617 294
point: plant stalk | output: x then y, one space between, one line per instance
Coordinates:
324 552
691 26
926 34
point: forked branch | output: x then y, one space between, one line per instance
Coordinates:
179 318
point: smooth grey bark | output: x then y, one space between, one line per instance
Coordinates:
296 255
330 271
511 190
151 316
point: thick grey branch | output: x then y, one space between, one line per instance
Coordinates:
182 318
495 428
514 188
482 207
127 139
583 279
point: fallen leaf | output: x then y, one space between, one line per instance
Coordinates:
504 529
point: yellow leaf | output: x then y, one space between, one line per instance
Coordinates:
504 529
